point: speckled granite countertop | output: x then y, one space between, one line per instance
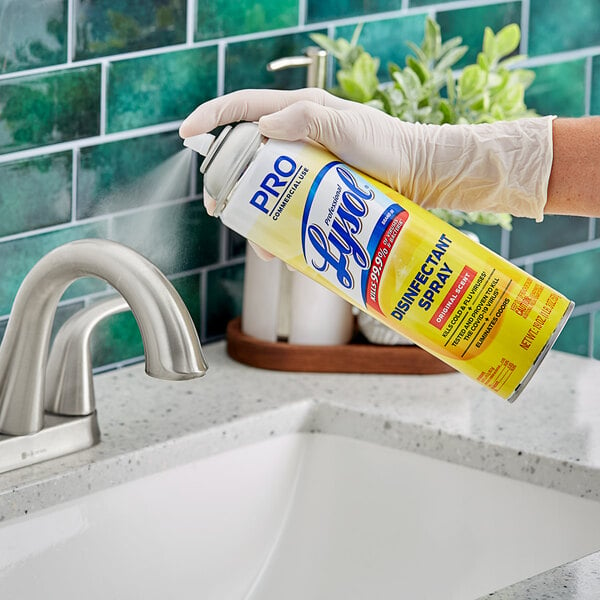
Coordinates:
549 437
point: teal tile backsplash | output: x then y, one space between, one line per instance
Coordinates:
17 256
558 26
223 18
105 27
470 23
387 39
317 10
49 108
554 231
131 173
245 62
35 192
92 93
158 88
575 275
595 92
559 89
33 34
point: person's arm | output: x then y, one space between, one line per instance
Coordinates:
496 167
574 185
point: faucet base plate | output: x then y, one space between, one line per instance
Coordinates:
60 436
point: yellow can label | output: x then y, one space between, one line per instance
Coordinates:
393 259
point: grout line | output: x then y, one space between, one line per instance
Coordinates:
98 219
592 228
557 252
504 243
560 57
74 179
190 23
221 57
103 95
525 11
586 309
71 27
302 12
118 136
589 72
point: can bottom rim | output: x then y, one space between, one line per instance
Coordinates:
544 351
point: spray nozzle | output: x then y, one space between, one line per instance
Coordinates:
200 143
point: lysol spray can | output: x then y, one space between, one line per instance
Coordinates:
385 254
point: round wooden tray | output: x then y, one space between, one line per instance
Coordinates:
358 356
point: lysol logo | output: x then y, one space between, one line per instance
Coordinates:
274 184
331 238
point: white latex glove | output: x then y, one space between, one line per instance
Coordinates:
498 167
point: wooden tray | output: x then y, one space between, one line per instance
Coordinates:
359 356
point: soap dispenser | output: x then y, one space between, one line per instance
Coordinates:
300 311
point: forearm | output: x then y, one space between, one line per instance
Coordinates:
574 184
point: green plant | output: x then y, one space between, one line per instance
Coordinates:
427 90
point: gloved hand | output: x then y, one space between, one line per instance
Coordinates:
498 167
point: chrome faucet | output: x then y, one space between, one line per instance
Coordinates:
171 346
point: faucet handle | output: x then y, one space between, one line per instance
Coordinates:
315 59
69 382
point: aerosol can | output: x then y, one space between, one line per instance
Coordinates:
385 254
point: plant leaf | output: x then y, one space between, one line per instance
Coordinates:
489 44
472 81
451 57
420 70
507 40
418 52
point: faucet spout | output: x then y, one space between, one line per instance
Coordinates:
171 346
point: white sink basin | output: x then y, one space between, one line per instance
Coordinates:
301 516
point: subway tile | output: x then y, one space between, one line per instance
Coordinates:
36 110
595 99
176 238
33 34
35 192
529 237
159 88
236 244
386 39
224 298
106 27
222 18
246 63
132 173
489 236
188 287
574 275
17 257
558 26
575 336
115 339
470 23
558 89
324 10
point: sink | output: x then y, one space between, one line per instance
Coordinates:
300 516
